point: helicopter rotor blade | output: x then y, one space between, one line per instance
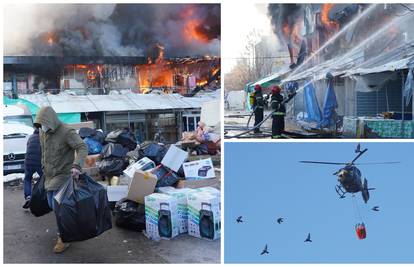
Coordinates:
323 162
359 155
378 163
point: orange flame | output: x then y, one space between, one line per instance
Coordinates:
191 31
330 25
286 30
50 38
160 57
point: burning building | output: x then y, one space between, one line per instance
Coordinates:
100 75
117 65
98 48
368 49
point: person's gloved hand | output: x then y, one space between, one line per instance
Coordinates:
75 173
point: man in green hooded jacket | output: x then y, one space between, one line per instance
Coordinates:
63 155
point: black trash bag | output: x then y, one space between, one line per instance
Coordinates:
99 137
180 172
134 155
155 152
81 209
201 149
112 166
130 215
165 177
86 132
38 202
111 150
123 137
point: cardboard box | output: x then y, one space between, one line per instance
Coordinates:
142 185
161 216
199 169
204 215
116 192
174 158
143 164
198 183
181 196
208 190
90 160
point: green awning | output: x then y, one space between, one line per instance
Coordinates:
64 117
31 106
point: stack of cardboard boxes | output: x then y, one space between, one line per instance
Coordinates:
178 211
172 211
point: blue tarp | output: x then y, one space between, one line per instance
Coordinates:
312 106
408 87
291 86
329 105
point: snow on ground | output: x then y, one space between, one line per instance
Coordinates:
13 177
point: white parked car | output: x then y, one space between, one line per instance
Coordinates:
17 127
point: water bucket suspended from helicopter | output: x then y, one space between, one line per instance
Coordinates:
361 231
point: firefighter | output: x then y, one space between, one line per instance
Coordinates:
258 107
278 112
277 104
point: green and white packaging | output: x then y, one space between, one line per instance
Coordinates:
204 216
161 216
208 189
181 196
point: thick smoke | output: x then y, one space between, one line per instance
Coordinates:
284 15
112 29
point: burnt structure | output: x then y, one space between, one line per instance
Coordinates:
100 75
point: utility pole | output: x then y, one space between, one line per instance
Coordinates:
15 94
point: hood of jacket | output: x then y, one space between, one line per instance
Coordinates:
47 116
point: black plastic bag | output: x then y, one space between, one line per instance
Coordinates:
82 210
129 215
123 137
134 155
112 166
165 176
99 137
113 150
38 202
86 132
155 152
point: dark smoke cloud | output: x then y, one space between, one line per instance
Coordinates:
281 14
118 30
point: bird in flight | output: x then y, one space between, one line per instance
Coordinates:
376 208
264 251
279 220
308 239
239 219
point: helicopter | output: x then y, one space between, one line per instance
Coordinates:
350 177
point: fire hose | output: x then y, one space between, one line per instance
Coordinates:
260 123
250 117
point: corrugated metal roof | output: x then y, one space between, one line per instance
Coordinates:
353 64
65 103
393 52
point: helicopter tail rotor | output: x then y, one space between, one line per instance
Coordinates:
365 191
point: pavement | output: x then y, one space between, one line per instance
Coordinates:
235 122
30 239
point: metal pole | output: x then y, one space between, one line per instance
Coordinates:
402 103
15 94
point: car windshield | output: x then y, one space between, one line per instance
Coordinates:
26 120
16 130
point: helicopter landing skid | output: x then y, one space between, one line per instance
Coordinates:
341 193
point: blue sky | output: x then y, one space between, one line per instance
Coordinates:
264 181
